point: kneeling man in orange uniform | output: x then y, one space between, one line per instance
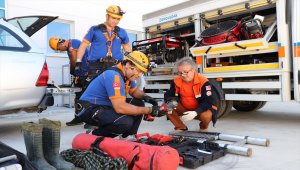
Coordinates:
194 95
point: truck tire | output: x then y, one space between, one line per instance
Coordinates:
224 106
248 106
218 99
228 108
221 108
263 103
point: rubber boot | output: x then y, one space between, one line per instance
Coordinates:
34 146
51 144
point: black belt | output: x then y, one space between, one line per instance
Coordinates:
109 60
106 60
86 104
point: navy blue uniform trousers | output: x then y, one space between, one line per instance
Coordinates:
110 123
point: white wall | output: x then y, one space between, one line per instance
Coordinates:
91 13
81 14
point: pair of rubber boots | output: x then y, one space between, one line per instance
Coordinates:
42 142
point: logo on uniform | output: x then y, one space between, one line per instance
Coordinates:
116 85
208 93
208 87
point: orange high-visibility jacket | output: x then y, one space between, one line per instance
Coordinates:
196 95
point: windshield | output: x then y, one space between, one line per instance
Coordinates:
31 24
23 23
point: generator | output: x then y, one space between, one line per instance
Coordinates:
161 50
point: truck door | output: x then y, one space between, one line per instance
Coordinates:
295 15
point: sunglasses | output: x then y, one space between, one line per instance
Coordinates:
183 73
59 42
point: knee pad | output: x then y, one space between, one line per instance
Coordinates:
78 106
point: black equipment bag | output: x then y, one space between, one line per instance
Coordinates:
192 152
22 159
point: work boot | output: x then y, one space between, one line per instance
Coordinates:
34 145
203 130
51 144
87 126
75 121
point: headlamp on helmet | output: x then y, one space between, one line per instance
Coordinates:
139 59
115 11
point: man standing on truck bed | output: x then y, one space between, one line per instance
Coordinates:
194 94
105 41
71 46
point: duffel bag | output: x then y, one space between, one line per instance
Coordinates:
138 156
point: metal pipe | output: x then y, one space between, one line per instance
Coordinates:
239 150
234 149
8 158
58 88
249 140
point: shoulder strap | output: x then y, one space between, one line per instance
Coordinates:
116 30
119 71
101 27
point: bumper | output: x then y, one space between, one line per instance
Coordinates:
47 100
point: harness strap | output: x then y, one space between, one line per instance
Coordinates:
96 148
133 156
127 82
109 40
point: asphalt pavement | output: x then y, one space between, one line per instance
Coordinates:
279 122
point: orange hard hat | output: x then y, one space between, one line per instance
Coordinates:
53 42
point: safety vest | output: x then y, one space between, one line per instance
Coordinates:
109 40
189 97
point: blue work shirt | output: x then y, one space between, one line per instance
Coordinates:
98 48
74 44
106 87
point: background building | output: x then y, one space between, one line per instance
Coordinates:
75 17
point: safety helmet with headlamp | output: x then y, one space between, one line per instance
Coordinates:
115 11
54 41
139 59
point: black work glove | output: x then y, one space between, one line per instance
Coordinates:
150 100
170 99
78 67
155 111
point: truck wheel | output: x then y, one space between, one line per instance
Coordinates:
263 103
221 104
221 108
248 106
224 106
228 108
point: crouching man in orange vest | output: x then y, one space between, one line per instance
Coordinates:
194 95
